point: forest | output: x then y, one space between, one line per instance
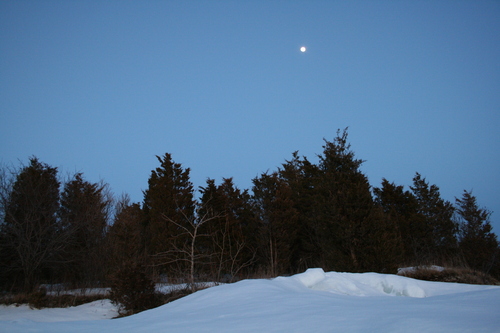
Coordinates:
300 216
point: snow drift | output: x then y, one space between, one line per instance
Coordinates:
313 301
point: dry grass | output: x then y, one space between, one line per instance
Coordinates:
40 299
164 298
451 274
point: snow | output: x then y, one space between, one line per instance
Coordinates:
313 301
57 290
166 287
405 270
96 310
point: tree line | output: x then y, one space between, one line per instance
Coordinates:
302 215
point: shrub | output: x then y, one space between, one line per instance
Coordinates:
38 299
449 274
133 290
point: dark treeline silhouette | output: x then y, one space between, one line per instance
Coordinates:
302 215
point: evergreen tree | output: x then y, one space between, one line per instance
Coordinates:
477 242
279 223
344 205
31 235
400 207
126 236
438 240
169 197
84 213
301 177
212 205
382 249
232 238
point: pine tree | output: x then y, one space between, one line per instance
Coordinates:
31 235
437 229
382 249
400 207
126 236
232 238
477 242
344 205
279 223
301 177
84 213
169 197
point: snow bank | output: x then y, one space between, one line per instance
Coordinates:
374 284
313 301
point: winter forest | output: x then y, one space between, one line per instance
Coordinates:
300 216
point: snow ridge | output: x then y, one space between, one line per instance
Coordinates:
313 301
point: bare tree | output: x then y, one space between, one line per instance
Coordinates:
230 252
184 244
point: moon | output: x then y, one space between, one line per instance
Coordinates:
303 49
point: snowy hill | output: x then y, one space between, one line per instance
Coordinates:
313 301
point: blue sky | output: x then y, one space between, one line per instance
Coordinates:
102 87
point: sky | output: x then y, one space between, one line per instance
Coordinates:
102 87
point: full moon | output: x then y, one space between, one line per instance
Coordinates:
303 49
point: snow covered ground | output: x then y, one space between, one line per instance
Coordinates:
313 301
91 311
